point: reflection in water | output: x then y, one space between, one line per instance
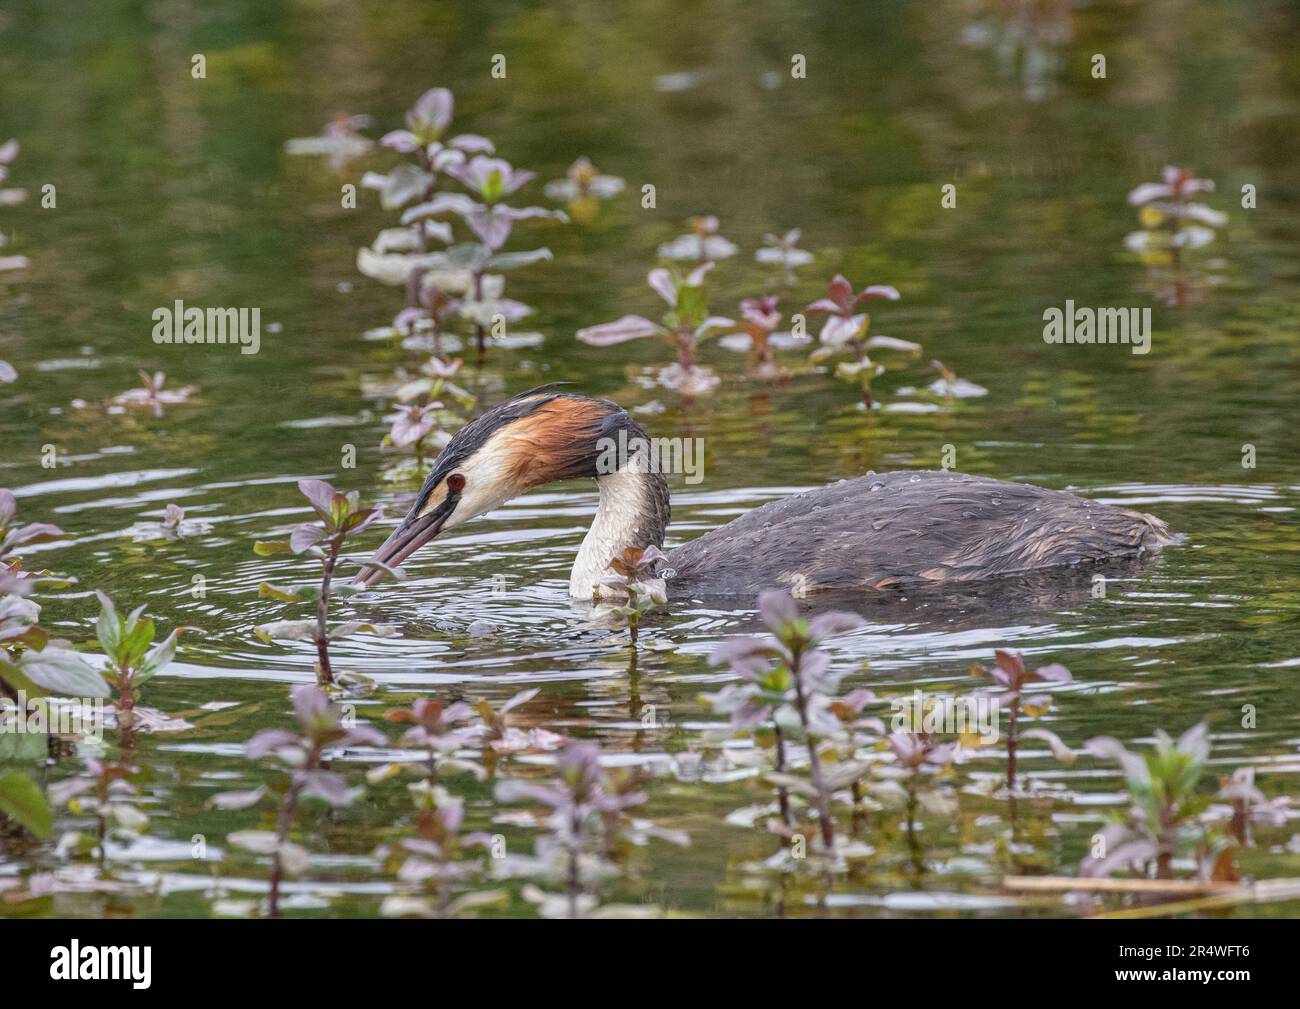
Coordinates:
1026 38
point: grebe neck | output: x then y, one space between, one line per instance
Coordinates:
633 512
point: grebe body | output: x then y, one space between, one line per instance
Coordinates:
875 532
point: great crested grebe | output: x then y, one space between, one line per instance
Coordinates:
873 532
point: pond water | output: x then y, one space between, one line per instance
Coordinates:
170 187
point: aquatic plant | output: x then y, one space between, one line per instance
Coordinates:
920 761
411 425
788 682
322 727
685 325
1162 819
585 823
759 318
846 328
34 667
635 584
502 736
432 865
1171 222
8 152
583 187
949 386
702 243
341 518
174 526
783 251
340 141
151 394
1010 673
1248 805
401 255
106 790
133 659
439 731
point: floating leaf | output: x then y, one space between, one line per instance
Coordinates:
22 801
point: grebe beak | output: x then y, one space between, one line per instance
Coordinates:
414 532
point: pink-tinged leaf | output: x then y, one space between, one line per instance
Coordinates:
890 343
839 330
523 697
329 786
37 532
741 649
825 624
661 282
1010 663
321 496
411 426
777 609
1054 672
305 536
400 140
268 741
884 291
237 800
712 325
696 277
1149 191
434 107
841 292
630 327
441 205
473 143
1059 750
823 305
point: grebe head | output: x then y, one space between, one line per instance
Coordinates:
538 437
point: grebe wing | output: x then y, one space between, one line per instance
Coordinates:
884 530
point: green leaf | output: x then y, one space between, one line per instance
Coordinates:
135 644
268 548
22 801
268 591
26 747
287 630
160 657
357 626
60 670
514 260
109 626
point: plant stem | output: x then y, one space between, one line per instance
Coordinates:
288 807
480 332
814 761
574 883
325 675
1011 744
782 796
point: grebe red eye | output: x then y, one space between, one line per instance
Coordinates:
455 483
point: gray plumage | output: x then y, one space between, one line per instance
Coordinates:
892 530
